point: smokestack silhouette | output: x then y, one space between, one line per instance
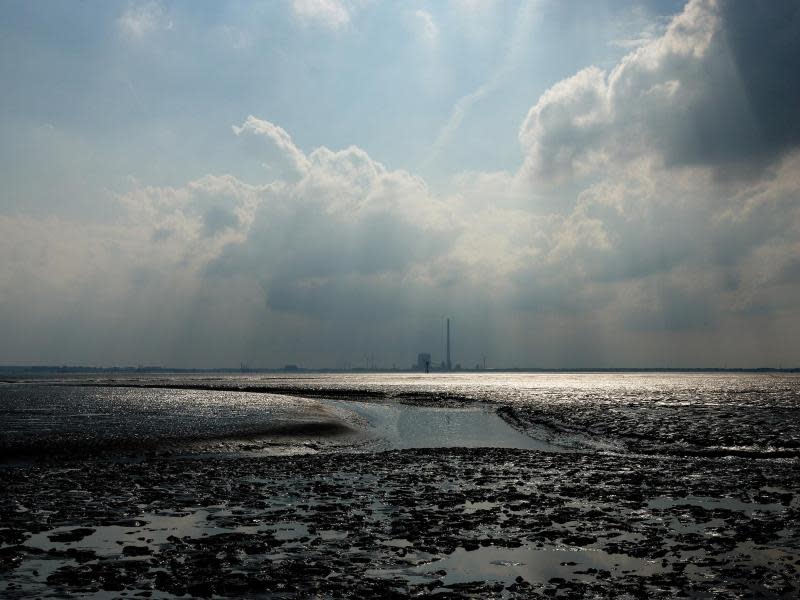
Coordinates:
449 365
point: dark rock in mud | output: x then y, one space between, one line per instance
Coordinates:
136 550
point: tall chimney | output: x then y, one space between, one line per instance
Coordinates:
449 365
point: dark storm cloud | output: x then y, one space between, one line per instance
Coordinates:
764 40
748 108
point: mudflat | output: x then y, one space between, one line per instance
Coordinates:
459 492
455 522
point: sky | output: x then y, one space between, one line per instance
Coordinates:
577 183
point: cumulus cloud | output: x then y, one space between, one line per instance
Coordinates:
278 145
198 219
344 228
711 91
687 212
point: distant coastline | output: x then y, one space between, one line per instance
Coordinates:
81 369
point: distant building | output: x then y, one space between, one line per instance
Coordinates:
423 361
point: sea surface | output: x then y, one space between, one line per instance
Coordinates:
683 413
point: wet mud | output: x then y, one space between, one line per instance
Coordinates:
48 422
452 522
720 430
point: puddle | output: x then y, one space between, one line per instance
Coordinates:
290 530
533 564
712 503
400 426
153 530
397 543
472 507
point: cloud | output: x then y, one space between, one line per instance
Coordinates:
142 18
711 91
193 223
280 149
656 202
685 218
344 228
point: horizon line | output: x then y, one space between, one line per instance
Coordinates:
290 368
